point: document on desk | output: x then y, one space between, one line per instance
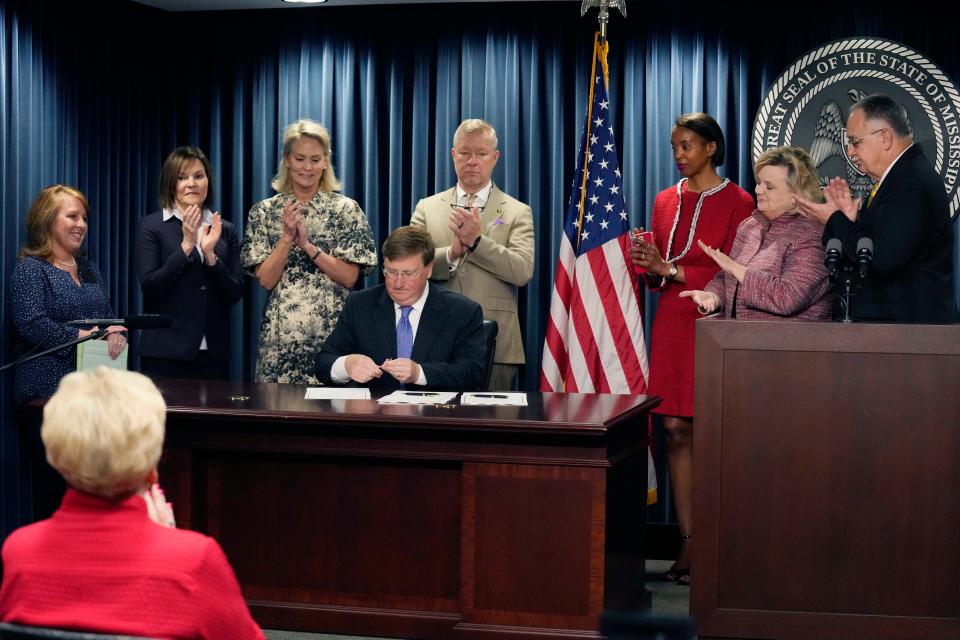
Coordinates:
337 393
418 397
505 398
93 354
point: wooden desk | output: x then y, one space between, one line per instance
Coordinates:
827 481
416 522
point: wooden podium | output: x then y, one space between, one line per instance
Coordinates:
826 481
415 521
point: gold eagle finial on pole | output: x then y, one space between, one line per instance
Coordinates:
604 16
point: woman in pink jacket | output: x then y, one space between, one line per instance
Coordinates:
775 269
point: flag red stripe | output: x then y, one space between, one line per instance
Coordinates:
623 342
586 338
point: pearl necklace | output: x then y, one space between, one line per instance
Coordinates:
696 216
67 264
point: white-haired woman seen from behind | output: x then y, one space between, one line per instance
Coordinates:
110 560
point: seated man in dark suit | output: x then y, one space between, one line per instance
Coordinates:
407 331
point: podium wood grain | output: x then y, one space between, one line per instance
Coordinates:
827 481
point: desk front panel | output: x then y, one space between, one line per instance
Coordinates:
397 524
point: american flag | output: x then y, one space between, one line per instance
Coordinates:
594 341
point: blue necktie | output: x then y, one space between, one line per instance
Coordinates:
404 334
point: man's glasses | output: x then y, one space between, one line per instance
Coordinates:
393 274
856 142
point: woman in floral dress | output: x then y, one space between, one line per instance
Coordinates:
307 245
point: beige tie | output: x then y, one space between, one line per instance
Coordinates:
471 198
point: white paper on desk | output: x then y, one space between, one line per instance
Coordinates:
418 397
337 393
503 398
93 353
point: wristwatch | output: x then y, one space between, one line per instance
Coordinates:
476 243
672 273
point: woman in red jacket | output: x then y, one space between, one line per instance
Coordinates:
701 207
110 559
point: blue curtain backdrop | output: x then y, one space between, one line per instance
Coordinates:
96 97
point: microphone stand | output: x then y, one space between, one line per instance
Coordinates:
846 300
99 333
850 277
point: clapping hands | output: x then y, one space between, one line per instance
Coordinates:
191 222
724 261
159 510
465 225
836 196
706 302
293 227
209 238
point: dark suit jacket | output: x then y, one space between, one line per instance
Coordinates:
911 279
197 296
449 345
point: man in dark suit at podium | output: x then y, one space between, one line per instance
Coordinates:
906 216
406 331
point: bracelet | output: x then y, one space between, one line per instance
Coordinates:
314 257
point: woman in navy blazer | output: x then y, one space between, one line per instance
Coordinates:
189 266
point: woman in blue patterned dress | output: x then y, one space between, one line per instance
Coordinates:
51 285
307 245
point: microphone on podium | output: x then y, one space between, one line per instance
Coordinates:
864 256
834 252
140 321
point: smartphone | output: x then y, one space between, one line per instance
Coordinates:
636 236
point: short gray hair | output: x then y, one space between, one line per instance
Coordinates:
883 107
472 126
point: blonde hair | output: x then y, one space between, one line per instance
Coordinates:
473 126
801 171
103 430
40 218
282 183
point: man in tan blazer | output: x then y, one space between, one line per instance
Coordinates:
484 241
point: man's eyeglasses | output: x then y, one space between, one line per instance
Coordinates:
856 142
393 274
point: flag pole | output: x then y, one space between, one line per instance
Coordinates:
586 150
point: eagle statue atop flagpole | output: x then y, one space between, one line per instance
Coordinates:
604 16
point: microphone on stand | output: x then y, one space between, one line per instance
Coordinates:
864 256
143 321
834 254
140 321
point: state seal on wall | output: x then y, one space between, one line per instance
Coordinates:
808 104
